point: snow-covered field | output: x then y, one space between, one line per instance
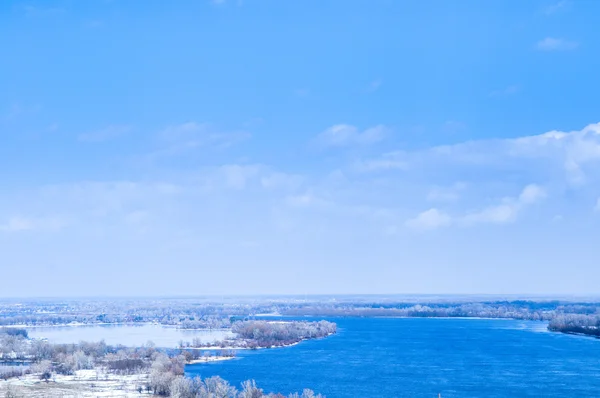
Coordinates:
85 383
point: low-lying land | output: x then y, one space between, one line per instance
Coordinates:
83 383
210 314
40 369
269 334
34 367
37 368
95 383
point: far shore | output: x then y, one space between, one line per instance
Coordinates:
79 324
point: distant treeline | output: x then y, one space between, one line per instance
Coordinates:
576 324
203 314
526 310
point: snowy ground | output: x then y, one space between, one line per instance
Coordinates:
85 383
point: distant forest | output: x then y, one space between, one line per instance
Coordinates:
206 313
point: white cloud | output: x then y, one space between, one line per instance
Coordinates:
446 194
429 219
556 7
276 180
344 135
388 161
504 212
19 223
192 134
555 44
237 176
572 152
305 200
597 207
499 214
107 133
532 194
188 137
508 210
40 11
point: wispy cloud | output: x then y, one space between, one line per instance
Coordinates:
557 7
20 223
341 135
572 152
277 180
17 110
237 176
40 11
446 194
506 91
307 199
374 85
104 134
182 138
504 212
429 219
508 209
556 44
396 160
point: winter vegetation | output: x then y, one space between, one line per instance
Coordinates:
588 325
273 334
205 313
42 369
211 314
163 379
34 367
269 334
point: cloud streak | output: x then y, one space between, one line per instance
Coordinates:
341 135
105 134
556 7
502 213
572 152
556 44
22 224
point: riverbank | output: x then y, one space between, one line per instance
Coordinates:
245 347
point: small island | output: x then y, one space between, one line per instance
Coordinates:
268 334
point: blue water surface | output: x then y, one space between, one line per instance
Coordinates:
400 357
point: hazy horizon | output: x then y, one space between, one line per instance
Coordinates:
361 297
240 147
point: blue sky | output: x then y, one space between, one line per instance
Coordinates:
242 146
